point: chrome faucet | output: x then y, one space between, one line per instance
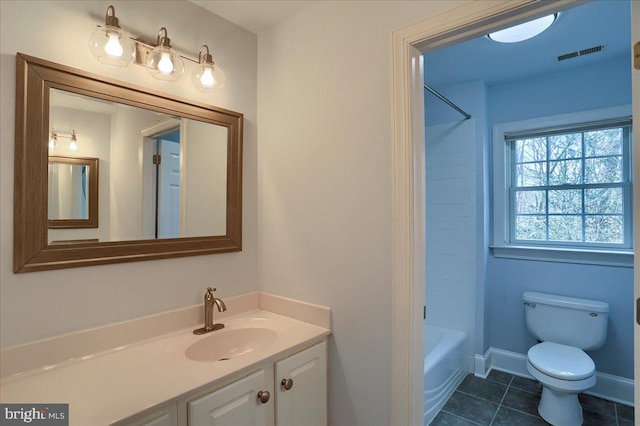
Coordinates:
209 302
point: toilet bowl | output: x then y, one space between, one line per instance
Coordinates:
565 327
564 372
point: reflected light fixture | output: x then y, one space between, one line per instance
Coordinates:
110 44
523 31
53 139
163 63
207 76
73 145
54 136
113 46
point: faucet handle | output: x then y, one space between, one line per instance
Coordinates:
211 290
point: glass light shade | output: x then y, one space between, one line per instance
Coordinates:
208 78
53 141
163 63
112 46
523 31
73 145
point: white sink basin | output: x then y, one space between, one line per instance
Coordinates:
223 345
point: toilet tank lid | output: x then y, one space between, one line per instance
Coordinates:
565 301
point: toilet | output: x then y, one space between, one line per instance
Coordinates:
565 328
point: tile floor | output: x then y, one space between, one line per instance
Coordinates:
505 399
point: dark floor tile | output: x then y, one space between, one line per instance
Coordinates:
592 418
500 377
525 384
525 402
625 412
446 419
598 405
508 417
472 408
482 388
625 422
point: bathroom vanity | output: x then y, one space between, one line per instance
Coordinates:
267 366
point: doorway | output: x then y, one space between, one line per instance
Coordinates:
451 27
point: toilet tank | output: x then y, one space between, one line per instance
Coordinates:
581 323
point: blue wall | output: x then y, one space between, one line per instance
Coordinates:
580 89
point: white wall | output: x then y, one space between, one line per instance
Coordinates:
205 161
324 173
43 304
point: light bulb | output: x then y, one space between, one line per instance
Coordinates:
113 46
165 65
73 145
207 79
52 142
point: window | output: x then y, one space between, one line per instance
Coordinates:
562 188
571 186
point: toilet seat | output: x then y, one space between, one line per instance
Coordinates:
561 361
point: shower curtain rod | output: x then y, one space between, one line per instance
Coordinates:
448 102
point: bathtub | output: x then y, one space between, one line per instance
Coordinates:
445 366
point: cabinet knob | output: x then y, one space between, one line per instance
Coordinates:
287 383
264 396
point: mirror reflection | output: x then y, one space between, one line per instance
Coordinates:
72 192
161 176
68 191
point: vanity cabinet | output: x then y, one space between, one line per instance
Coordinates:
243 402
301 388
294 393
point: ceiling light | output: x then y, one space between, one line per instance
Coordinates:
523 31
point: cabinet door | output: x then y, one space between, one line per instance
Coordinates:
166 416
305 402
233 405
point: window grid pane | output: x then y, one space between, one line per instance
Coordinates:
569 188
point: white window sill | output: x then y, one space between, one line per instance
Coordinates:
623 258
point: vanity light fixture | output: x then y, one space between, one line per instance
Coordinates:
207 76
113 46
163 63
524 31
110 44
73 143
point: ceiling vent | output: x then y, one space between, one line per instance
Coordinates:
577 53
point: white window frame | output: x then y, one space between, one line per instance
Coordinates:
501 246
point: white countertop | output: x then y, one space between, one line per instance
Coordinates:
115 384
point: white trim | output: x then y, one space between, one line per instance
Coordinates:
547 254
458 24
609 387
501 246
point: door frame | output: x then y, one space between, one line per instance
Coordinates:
462 23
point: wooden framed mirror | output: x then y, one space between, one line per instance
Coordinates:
72 192
126 127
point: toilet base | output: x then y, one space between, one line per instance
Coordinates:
560 408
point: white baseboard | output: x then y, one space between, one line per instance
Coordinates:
609 387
